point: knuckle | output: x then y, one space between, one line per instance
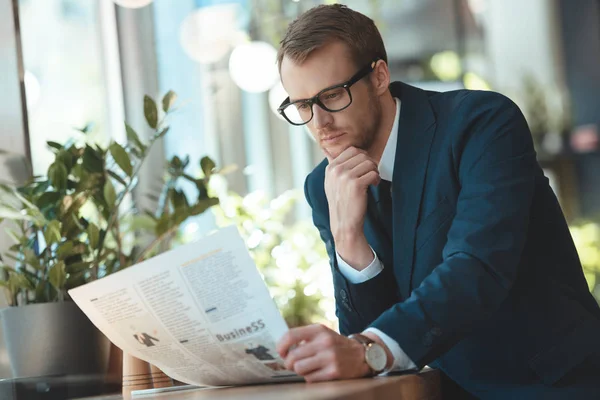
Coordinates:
328 340
331 357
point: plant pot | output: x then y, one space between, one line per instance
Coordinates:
53 339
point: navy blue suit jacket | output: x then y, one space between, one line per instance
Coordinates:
481 278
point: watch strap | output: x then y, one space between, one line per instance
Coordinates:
366 342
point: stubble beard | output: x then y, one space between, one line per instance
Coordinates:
370 130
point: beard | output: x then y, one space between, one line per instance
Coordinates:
371 124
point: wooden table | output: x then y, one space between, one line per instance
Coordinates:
422 386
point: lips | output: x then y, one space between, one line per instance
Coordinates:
331 137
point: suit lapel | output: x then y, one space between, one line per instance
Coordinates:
415 134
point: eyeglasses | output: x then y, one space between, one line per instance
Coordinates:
332 99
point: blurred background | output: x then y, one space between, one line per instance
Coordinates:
69 66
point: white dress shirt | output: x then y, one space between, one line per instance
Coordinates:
386 170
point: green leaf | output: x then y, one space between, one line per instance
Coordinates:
65 249
7 268
13 257
178 199
54 145
203 205
50 198
163 224
86 128
57 275
52 232
116 177
92 160
150 112
142 222
121 158
31 277
109 193
19 281
31 259
66 158
10 213
132 137
162 133
41 293
93 235
57 174
78 267
207 165
168 100
13 235
201 186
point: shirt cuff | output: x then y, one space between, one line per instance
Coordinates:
401 361
355 276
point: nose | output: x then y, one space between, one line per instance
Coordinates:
321 118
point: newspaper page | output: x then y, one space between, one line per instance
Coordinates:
201 313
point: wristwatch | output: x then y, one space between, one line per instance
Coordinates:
375 355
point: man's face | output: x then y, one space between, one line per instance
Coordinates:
330 65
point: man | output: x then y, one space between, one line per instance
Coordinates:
447 246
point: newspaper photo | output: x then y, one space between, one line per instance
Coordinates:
201 313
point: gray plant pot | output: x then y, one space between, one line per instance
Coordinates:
53 339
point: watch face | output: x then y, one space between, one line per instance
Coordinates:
376 357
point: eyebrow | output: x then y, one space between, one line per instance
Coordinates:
320 91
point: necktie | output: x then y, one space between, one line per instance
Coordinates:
384 205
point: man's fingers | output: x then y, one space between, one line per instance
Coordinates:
350 163
309 365
296 335
346 155
328 373
370 178
363 168
304 350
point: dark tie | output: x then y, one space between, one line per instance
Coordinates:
384 205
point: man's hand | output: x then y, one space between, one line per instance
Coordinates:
319 354
347 179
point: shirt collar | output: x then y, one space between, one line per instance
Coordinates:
386 164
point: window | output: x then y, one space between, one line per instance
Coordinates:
65 80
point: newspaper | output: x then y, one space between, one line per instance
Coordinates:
201 313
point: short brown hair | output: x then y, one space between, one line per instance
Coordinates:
324 24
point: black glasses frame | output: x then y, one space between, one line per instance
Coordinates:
366 70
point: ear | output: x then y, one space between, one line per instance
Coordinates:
380 77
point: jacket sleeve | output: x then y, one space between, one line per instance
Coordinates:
376 294
496 169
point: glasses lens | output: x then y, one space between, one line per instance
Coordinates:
298 113
335 99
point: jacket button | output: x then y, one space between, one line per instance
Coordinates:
343 295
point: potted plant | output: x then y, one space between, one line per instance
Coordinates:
76 224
